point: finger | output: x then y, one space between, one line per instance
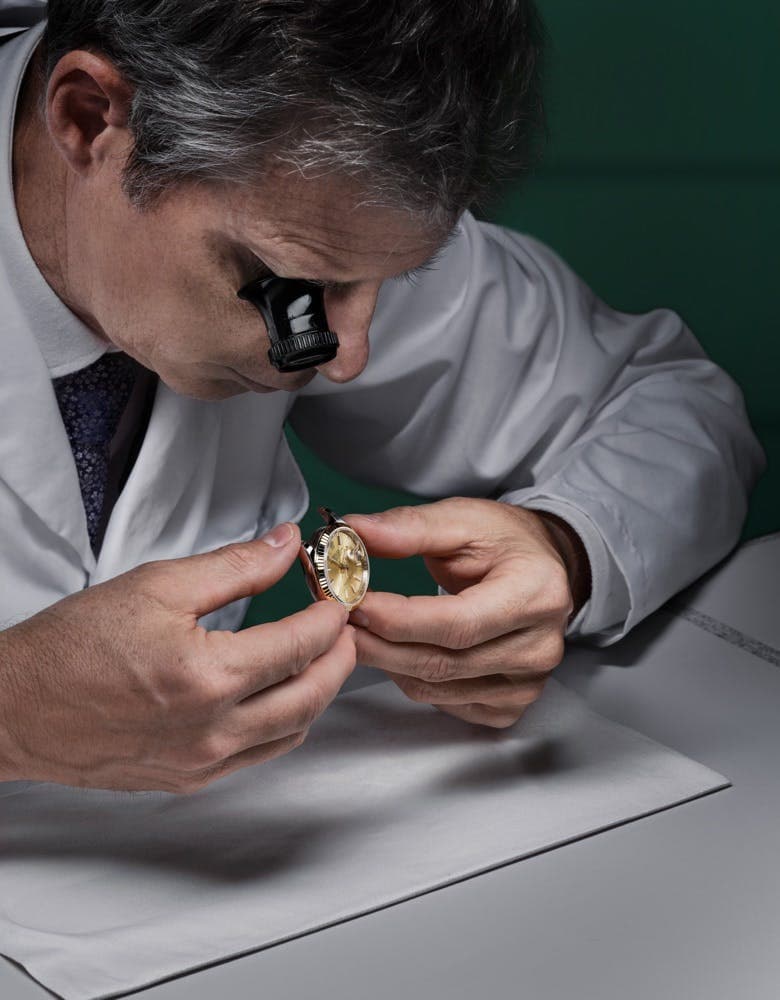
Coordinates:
203 583
500 603
499 691
482 715
255 755
295 704
523 654
194 781
256 658
435 529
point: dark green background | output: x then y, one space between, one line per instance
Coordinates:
661 187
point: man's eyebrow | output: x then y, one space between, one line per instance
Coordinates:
432 261
427 265
409 275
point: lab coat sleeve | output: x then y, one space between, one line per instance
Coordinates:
500 374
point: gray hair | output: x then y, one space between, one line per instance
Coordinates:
427 102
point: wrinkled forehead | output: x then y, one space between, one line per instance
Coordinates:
328 228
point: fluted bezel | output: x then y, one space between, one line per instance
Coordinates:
315 564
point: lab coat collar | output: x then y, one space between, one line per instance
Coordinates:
36 461
37 464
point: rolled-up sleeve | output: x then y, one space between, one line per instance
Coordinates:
500 374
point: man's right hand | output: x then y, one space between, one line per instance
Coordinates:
119 687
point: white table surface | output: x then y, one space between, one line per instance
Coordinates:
685 903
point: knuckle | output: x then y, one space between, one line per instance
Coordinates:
351 654
459 503
238 559
190 783
298 739
461 632
526 694
435 665
505 715
280 747
312 704
348 658
505 720
298 651
183 685
333 616
409 513
168 691
558 593
550 652
203 689
457 635
494 718
209 751
416 690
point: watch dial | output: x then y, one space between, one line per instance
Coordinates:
346 566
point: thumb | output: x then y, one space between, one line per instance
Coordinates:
242 569
435 529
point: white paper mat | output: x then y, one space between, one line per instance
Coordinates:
102 893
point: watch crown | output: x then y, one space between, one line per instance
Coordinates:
327 515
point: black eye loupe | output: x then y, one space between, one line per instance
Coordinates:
294 312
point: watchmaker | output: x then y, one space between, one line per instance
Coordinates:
216 218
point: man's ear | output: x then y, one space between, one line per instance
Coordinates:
87 108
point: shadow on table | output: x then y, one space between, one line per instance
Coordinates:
585 663
225 833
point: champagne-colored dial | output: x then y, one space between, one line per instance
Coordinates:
346 566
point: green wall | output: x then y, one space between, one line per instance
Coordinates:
661 187
661 183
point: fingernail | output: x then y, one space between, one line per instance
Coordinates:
280 536
366 517
359 618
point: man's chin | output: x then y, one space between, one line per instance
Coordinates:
213 389
287 383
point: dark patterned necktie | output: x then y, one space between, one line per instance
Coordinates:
91 402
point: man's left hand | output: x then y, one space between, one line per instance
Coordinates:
483 651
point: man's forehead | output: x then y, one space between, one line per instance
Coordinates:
328 231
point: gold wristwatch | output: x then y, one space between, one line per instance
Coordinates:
335 562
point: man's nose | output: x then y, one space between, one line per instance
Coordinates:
349 310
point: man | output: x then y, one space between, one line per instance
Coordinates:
163 154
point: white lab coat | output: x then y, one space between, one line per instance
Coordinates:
499 374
